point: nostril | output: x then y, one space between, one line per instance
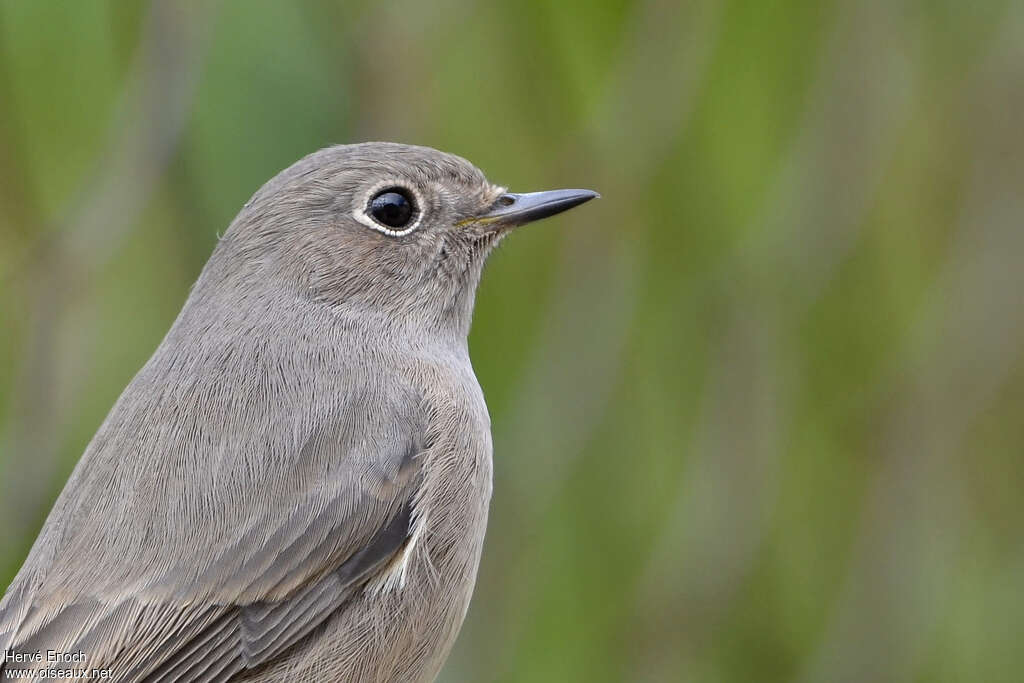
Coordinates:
506 200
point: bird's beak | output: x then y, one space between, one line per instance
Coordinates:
512 209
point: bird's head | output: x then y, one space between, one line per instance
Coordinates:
392 230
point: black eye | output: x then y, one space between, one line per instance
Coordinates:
392 207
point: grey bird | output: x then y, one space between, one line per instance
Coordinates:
295 486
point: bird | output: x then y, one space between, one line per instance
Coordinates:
296 485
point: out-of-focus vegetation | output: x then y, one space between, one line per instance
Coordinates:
758 413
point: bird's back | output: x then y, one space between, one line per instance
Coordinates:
222 483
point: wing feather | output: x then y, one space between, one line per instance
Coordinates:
171 630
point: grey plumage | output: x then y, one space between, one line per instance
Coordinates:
296 484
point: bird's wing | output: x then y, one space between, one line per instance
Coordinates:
208 589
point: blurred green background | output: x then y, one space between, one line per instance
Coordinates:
758 412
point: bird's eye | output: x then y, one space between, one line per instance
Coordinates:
392 207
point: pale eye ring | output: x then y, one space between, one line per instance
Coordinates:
392 207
